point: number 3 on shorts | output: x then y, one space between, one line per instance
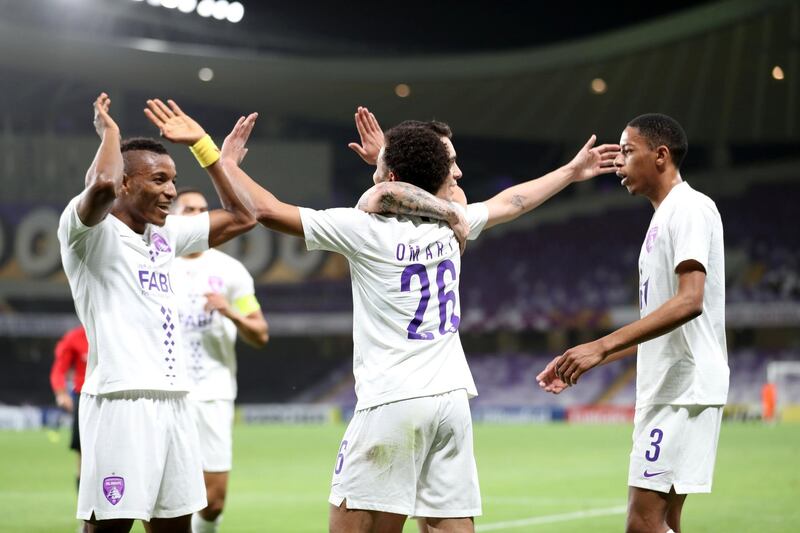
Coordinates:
340 458
657 435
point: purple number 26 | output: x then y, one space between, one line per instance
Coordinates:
445 297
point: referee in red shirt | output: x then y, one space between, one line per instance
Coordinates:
70 354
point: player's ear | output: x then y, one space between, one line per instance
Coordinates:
663 155
391 177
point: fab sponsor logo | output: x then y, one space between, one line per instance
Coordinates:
154 282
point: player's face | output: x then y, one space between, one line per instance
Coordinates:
149 187
190 203
636 161
381 173
454 192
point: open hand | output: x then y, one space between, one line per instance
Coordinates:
234 147
102 120
371 136
575 361
173 124
548 380
592 160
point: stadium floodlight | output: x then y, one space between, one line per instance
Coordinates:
205 74
154 2
205 8
220 10
170 4
187 6
235 12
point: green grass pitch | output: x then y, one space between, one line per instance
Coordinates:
544 478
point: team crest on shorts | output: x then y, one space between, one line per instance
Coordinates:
650 240
113 489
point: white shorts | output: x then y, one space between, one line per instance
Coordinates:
214 421
412 457
140 457
675 446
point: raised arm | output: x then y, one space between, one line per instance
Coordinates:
105 174
681 308
234 218
519 199
371 136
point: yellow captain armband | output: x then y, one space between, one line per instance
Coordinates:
205 151
246 304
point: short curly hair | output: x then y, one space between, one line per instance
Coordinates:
416 155
439 128
143 144
663 130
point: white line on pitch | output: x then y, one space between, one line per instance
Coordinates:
549 519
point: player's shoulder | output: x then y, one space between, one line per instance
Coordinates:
693 199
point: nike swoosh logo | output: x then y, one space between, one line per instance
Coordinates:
649 474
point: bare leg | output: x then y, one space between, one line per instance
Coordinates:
179 524
93 525
647 511
674 509
451 525
344 520
216 490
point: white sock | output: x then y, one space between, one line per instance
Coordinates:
670 531
201 525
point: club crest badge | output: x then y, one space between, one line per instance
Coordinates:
114 489
650 240
160 243
216 283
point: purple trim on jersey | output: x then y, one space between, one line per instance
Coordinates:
169 343
650 240
114 489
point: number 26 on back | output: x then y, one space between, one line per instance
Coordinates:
445 297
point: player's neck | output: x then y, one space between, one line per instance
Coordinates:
663 186
126 218
192 256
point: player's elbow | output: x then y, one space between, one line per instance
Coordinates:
692 307
102 185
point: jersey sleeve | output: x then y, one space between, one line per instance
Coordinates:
241 291
190 233
477 215
72 231
342 230
690 229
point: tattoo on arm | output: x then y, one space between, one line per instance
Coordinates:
518 201
411 200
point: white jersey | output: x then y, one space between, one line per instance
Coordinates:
124 296
689 365
209 339
406 305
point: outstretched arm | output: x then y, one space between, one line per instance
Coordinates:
234 218
550 382
105 174
397 197
681 308
519 199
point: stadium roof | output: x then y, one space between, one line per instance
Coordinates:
711 66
